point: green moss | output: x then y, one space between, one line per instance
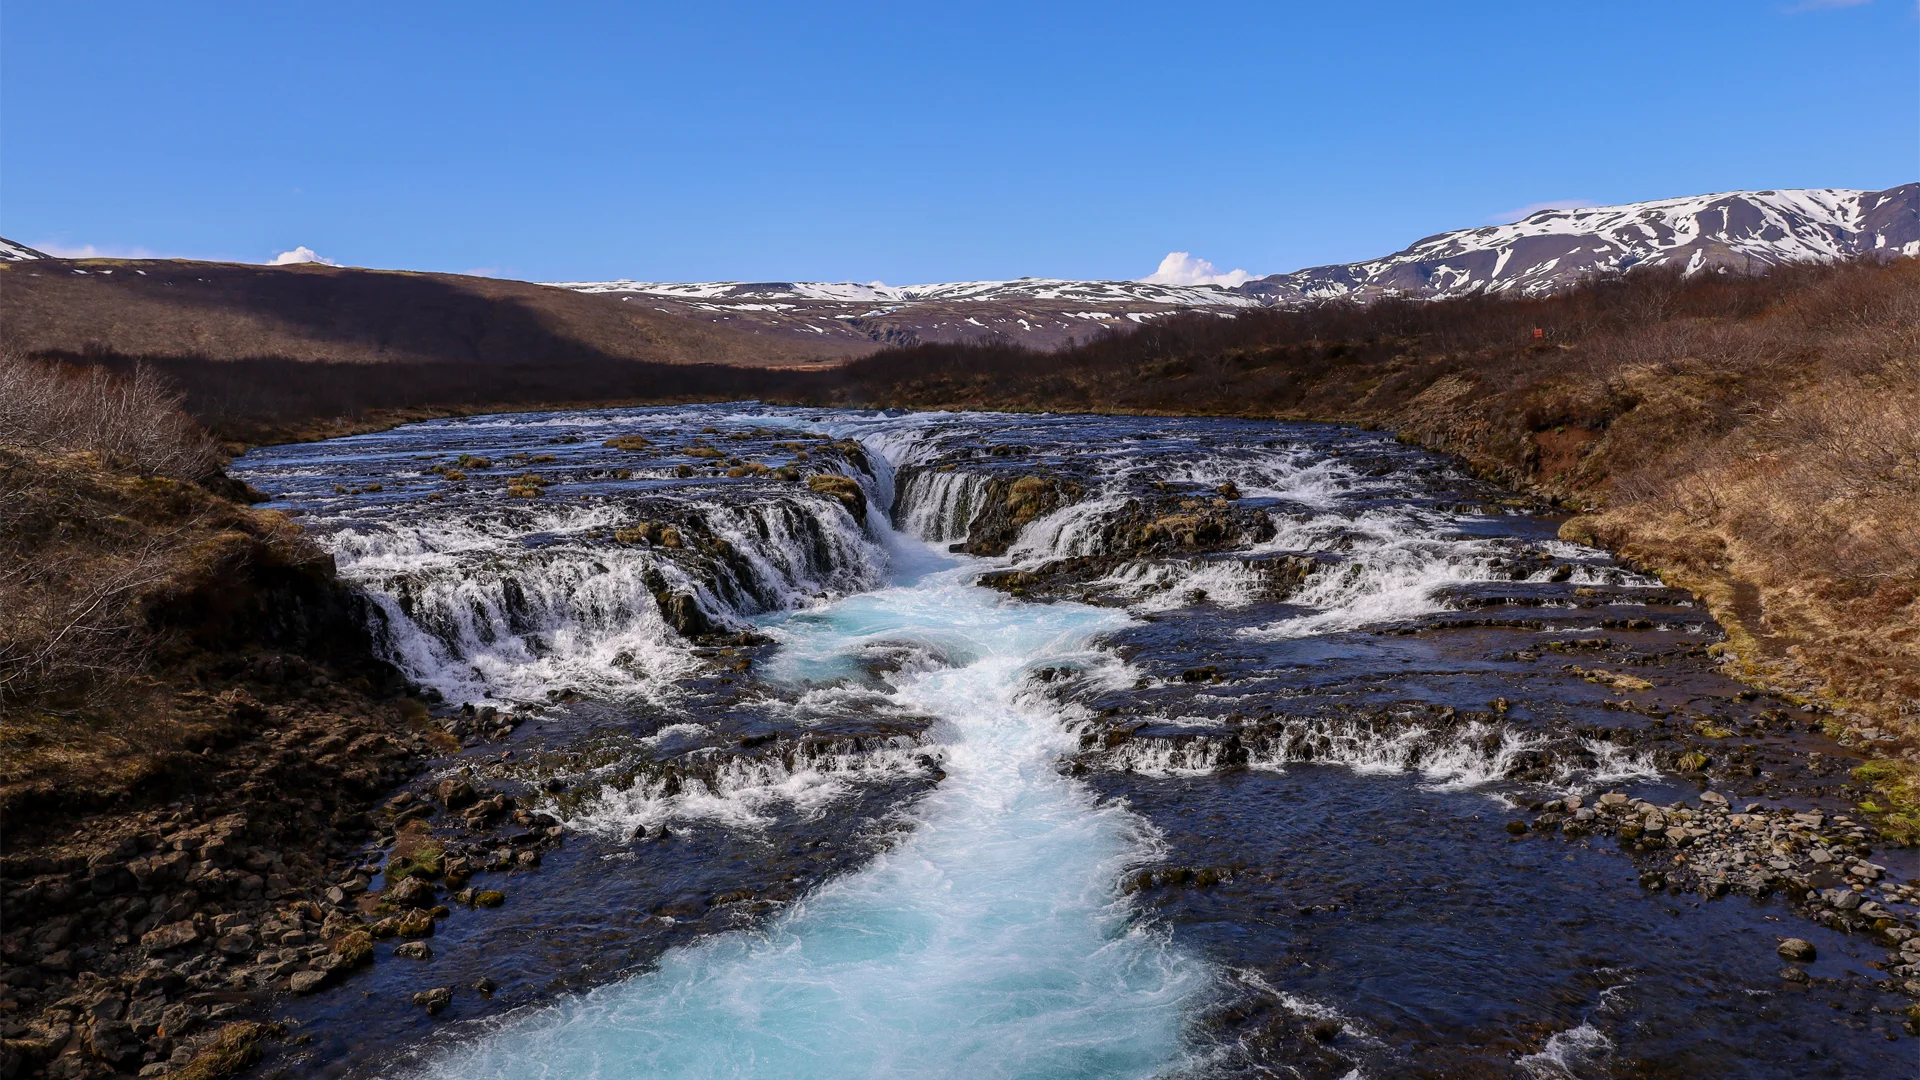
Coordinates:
426 861
1895 802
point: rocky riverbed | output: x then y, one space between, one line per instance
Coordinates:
1381 773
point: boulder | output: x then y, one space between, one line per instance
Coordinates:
455 792
1797 949
412 892
170 936
434 1000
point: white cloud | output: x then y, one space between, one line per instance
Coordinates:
301 254
1520 212
1184 268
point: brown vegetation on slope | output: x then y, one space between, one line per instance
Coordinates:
192 724
259 350
222 312
1755 440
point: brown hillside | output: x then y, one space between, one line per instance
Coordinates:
308 313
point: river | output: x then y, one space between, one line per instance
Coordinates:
1215 779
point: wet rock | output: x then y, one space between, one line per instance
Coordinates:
434 1000
306 982
489 898
414 924
413 950
455 793
1793 974
1797 949
412 892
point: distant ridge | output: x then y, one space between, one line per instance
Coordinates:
1544 252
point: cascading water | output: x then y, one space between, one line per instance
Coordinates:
988 943
1119 852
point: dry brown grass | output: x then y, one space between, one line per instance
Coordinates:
95 501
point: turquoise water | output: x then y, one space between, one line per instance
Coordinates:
987 943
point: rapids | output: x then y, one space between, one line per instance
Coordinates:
750 633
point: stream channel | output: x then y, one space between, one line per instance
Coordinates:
972 745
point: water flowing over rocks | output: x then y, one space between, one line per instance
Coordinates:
1366 768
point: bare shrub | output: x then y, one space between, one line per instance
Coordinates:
69 617
73 563
132 421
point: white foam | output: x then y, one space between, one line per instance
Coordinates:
1575 1054
1471 756
743 792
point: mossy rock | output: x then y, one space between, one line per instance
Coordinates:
628 442
354 948
414 924
233 1049
842 488
426 862
489 898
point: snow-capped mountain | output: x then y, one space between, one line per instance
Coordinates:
1035 311
1740 231
1061 289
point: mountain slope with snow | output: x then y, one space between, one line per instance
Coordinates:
1740 231
12 252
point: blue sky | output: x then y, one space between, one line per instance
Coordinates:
912 143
